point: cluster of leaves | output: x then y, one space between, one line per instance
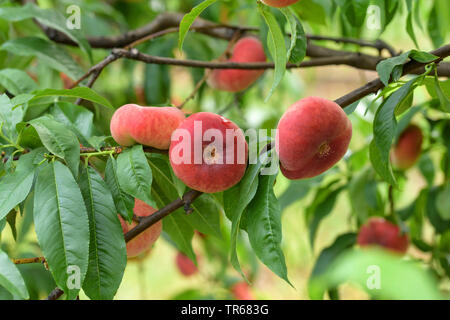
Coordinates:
73 204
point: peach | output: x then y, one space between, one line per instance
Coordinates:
247 49
279 3
408 148
241 291
67 82
312 135
146 239
150 126
383 233
208 152
185 265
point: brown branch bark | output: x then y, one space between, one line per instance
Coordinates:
134 54
55 294
29 260
171 21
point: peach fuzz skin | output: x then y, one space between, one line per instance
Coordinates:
378 231
146 239
150 126
312 136
208 176
247 49
408 148
279 3
185 265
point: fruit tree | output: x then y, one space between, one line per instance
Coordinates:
228 149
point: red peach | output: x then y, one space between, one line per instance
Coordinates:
279 3
150 126
67 82
146 239
408 148
378 231
247 49
313 135
241 291
185 265
208 152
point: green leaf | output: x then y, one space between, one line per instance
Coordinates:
322 210
77 118
16 81
236 200
206 215
123 201
363 195
11 219
157 81
59 141
10 277
9 117
409 22
443 98
431 88
134 174
297 49
107 249
277 46
309 10
178 229
438 22
443 202
62 226
78 92
189 18
47 52
327 257
355 11
386 67
50 18
381 274
28 136
15 187
405 120
264 227
394 66
384 129
426 168
438 219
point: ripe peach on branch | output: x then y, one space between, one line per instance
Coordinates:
146 239
150 126
313 135
378 231
247 49
185 265
208 152
407 150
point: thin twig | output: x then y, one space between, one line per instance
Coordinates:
55 294
29 260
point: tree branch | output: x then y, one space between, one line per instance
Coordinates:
375 85
29 260
168 22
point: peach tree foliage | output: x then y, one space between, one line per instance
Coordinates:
64 179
